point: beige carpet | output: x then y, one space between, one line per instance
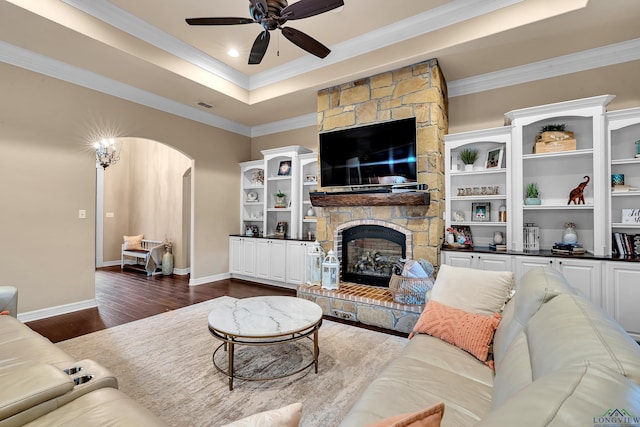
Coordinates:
164 363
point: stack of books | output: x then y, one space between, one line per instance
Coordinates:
567 248
625 245
499 248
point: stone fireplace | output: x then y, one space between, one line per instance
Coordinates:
418 91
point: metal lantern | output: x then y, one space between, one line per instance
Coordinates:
330 271
531 237
315 256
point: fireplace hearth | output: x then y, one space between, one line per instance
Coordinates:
369 253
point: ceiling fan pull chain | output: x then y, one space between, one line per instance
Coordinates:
278 47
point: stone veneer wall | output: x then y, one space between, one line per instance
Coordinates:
417 91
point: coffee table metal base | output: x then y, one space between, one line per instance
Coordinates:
230 341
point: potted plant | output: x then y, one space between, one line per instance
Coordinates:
468 157
280 199
532 196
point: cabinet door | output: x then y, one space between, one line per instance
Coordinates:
296 262
235 255
248 257
263 258
526 263
622 293
493 262
586 276
459 259
278 251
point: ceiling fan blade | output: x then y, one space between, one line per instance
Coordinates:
305 42
219 21
307 8
259 48
261 6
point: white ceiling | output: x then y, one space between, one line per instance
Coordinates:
144 51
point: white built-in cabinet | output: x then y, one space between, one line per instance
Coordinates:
622 294
297 261
242 256
308 183
605 145
271 259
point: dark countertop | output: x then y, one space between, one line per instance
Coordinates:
271 238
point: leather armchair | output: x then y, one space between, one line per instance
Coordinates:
9 300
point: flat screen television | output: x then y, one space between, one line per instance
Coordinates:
372 155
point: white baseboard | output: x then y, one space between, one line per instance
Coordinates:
30 316
177 271
114 263
209 279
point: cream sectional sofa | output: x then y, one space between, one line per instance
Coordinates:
559 361
44 386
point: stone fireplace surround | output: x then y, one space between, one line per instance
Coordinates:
417 90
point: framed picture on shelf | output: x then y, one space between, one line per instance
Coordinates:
481 212
285 168
494 158
464 230
310 178
281 229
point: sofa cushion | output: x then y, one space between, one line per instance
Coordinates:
287 416
475 291
430 417
421 376
569 329
514 371
103 407
577 396
468 331
132 243
536 287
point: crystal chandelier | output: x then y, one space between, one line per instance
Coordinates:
107 152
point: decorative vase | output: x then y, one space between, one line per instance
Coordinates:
311 212
167 262
498 238
570 235
280 202
532 201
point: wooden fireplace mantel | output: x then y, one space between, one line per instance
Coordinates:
417 198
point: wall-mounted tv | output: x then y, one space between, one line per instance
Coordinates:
378 154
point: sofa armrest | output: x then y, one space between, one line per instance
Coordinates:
30 385
9 300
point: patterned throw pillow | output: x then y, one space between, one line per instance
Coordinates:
430 417
133 242
468 331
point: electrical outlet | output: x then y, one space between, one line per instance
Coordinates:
110 215
82 214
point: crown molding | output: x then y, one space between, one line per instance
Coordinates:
41 64
568 64
431 20
141 29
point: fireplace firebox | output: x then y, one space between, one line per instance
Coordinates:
369 253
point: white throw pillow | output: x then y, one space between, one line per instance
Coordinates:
475 291
288 416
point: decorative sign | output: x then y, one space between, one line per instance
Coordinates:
631 216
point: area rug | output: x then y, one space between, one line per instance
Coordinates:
164 363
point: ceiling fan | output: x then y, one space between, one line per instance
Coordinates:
272 14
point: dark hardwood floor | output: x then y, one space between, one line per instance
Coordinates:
125 296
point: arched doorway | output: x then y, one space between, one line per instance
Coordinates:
148 191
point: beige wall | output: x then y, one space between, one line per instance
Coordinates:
48 172
305 137
486 109
144 192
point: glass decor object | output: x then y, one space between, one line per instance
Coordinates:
617 179
531 238
330 271
638 147
569 234
315 256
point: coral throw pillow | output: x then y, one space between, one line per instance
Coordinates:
429 417
133 242
468 331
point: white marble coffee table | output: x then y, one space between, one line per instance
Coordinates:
268 320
